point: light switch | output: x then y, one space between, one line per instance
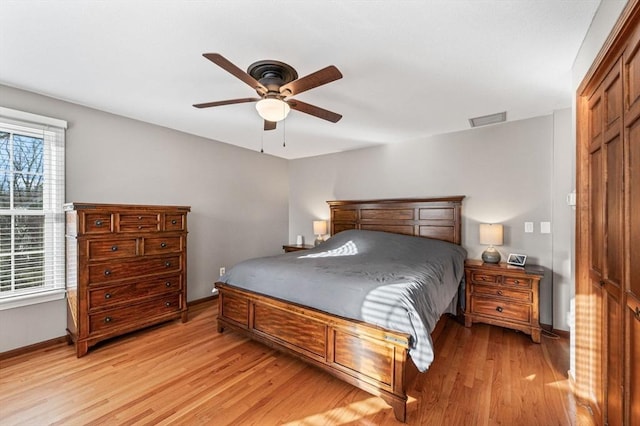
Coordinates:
545 227
528 227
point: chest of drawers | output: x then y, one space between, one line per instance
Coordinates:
126 269
503 296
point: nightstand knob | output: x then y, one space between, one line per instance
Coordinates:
167 284
516 282
107 295
173 222
167 264
601 283
163 244
98 222
107 319
107 272
167 304
114 248
499 292
499 309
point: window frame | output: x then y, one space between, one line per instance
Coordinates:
52 132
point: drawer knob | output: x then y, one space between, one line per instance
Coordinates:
499 309
167 264
140 227
499 292
107 272
163 244
167 304
516 282
139 217
114 248
98 222
601 283
167 284
637 313
107 319
107 295
173 222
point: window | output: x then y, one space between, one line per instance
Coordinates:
32 254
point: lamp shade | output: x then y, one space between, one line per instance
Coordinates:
491 234
319 227
272 109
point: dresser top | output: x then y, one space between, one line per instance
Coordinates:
121 207
504 267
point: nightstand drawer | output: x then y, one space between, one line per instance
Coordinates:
500 309
481 277
499 291
516 281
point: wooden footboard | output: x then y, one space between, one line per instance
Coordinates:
369 357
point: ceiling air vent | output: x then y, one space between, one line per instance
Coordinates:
488 119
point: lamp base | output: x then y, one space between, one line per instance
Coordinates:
491 255
318 241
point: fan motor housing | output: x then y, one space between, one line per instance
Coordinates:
272 74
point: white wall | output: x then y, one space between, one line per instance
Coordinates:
505 171
233 193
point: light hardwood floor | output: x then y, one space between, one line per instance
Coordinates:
190 374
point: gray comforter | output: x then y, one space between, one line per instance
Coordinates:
394 281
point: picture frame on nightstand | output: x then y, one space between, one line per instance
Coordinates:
517 259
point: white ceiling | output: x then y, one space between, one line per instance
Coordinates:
411 68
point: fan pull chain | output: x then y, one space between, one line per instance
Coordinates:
262 142
284 132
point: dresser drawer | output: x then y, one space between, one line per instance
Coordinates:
482 277
110 249
97 223
500 291
116 294
174 222
112 271
132 314
517 281
162 245
499 309
132 222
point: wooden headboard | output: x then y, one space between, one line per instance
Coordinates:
438 218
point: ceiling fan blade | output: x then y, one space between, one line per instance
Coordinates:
228 66
269 125
227 102
314 110
318 78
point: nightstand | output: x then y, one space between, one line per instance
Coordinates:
296 247
503 295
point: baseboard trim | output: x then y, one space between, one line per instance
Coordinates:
549 328
201 301
30 348
63 339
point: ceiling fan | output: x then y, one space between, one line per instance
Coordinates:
275 81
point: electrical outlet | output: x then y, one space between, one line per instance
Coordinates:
222 270
528 227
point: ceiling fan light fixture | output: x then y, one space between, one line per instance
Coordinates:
272 109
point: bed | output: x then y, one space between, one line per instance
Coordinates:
352 340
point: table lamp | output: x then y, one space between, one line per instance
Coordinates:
491 234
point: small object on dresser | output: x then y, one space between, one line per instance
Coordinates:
319 229
516 259
491 234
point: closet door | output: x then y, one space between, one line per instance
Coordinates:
632 287
606 269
